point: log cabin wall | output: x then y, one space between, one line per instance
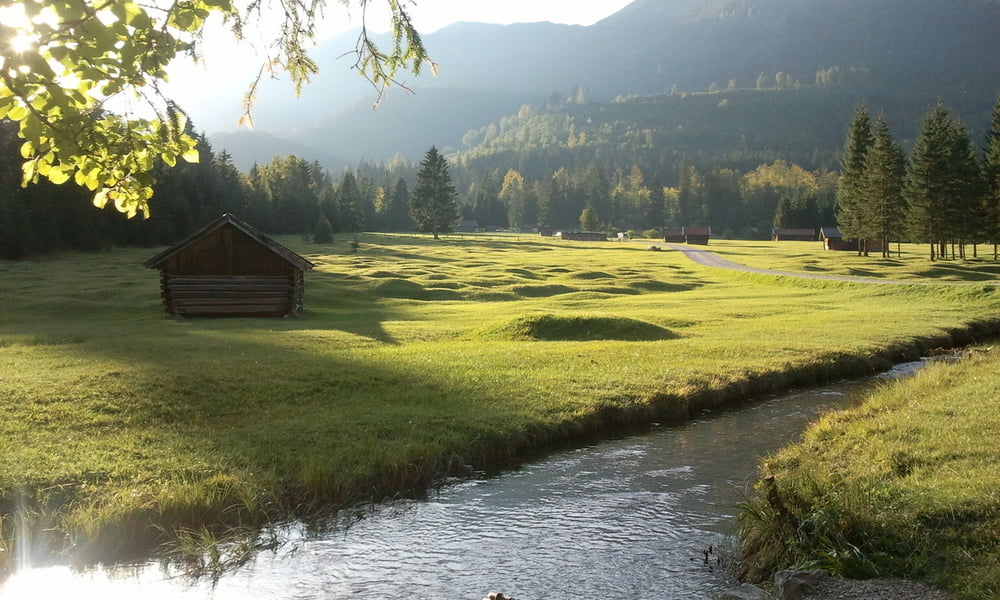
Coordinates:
230 270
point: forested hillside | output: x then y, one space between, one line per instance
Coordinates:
899 54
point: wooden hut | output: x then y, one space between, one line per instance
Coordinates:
467 226
673 235
697 235
229 269
794 235
583 236
687 235
832 239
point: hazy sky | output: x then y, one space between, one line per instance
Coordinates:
431 15
227 62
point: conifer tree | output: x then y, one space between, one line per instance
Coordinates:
965 211
589 221
399 211
943 183
352 216
433 201
850 195
656 208
323 233
881 186
991 176
926 185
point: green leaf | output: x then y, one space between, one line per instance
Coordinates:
17 112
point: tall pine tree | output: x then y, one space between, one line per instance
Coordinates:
881 186
991 175
352 216
943 183
850 192
434 201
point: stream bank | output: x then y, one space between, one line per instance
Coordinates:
631 516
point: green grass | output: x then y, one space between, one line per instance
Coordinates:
911 262
413 359
906 485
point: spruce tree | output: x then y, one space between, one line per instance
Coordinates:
965 211
433 201
656 208
352 216
323 233
850 194
991 176
399 207
883 207
943 183
926 184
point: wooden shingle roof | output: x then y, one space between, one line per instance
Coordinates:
227 219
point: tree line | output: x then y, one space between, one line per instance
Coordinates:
945 194
289 195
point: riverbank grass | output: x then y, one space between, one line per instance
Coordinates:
413 360
906 485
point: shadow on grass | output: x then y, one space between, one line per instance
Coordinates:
255 426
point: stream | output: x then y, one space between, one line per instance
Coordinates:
625 518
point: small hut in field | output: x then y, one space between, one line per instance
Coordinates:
467 226
229 269
697 235
794 235
833 239
673 235
583 236
687 235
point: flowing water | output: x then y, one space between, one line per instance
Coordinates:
627 518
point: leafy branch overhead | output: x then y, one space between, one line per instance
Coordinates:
82 80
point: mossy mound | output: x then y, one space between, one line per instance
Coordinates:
550 327
652 285
591 275
400 288
542 291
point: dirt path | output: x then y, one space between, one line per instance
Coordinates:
711 259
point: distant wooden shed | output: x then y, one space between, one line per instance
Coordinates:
687 235
583 236
833 239
697 235
467 226
673 234
794 235
229 269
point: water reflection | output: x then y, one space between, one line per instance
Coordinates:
627 518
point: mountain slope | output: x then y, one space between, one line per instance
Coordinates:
899 50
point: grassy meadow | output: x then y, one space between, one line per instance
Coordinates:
414 359
908 262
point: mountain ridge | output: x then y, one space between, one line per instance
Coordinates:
649 47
